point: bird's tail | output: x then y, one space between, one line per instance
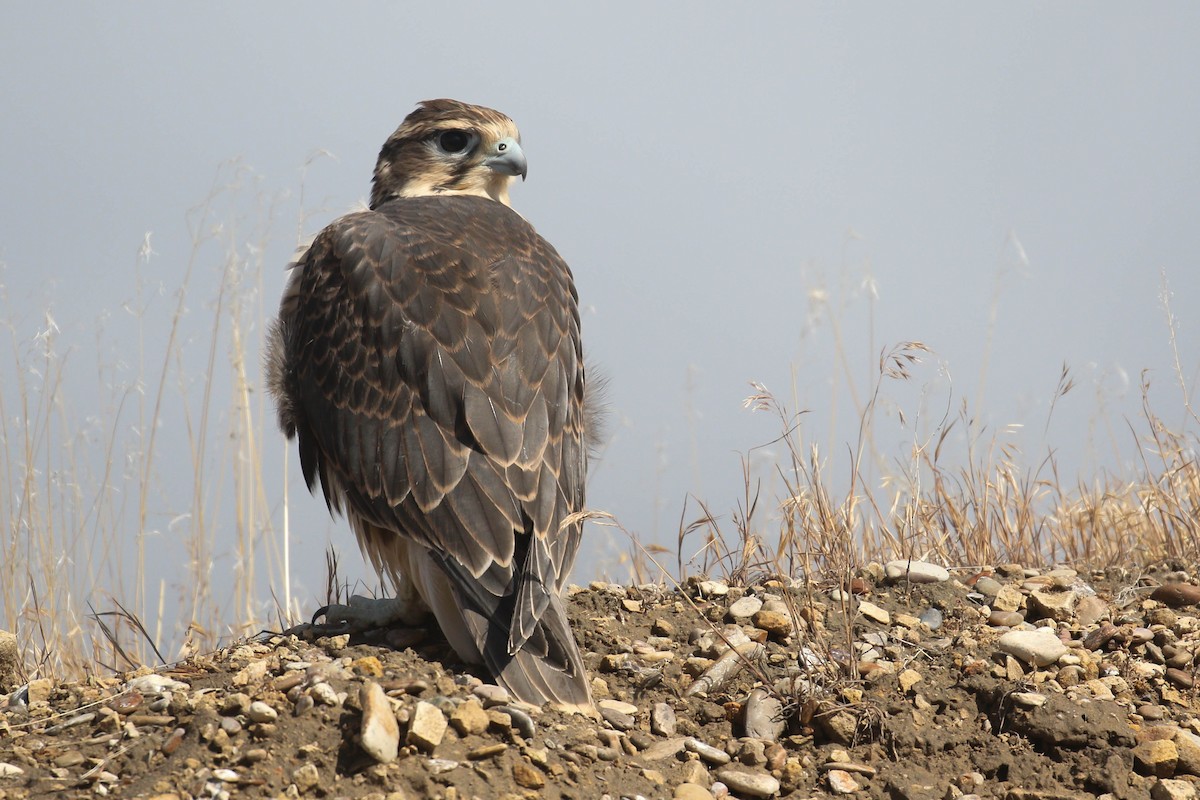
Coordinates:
547 666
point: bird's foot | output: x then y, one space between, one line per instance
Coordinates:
362 614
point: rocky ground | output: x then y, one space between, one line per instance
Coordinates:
907 683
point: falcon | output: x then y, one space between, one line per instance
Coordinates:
427 359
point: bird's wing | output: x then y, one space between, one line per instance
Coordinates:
435 379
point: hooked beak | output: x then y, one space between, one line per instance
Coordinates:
507 158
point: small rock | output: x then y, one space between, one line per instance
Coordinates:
622 722
469 718
874 612
380 736
1187 748
841 782
1151 712
1040 647
491 695
664 749
713 755
692 791
1091 609
306 777
745 608
662 720
932 618
1171 789
1009 598
1052 603
908 679
988 586
1028 699
1158 758
620 707
427 728
261 712
713 588
764 716
1176 595
487 751
915 572
1183 680
528 776
773 622
1099 638
750 784
1005 619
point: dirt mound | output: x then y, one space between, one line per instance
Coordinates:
890 689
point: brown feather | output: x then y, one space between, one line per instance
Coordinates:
428 358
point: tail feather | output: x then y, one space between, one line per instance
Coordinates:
546 668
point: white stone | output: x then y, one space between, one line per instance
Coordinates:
428 726
745 607
874 612
749 784
1040 647
380 733
915 572
261 712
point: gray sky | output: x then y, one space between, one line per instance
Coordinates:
702 167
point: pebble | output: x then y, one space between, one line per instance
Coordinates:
492 695
619 706
713 589
1177 595
691 791
1172 789
1040 647
764 716
1091 609
1052 603
1182 679
1005 619
487 751
775 623
713 755
427 727
380 735
908 679
1097 639
1009 598
528 776
306 777
1156 757
261 712
662 720
750 784
745 608
988 586
841 782
469 718
915 572
932 618
664 749
874 612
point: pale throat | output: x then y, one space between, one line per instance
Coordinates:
490 185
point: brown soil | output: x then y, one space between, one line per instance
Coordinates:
939 714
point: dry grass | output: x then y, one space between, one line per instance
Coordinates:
90 527
83 503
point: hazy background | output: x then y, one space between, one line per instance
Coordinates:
744 193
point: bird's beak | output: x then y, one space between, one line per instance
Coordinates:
507 158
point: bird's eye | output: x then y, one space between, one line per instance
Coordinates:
454 141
